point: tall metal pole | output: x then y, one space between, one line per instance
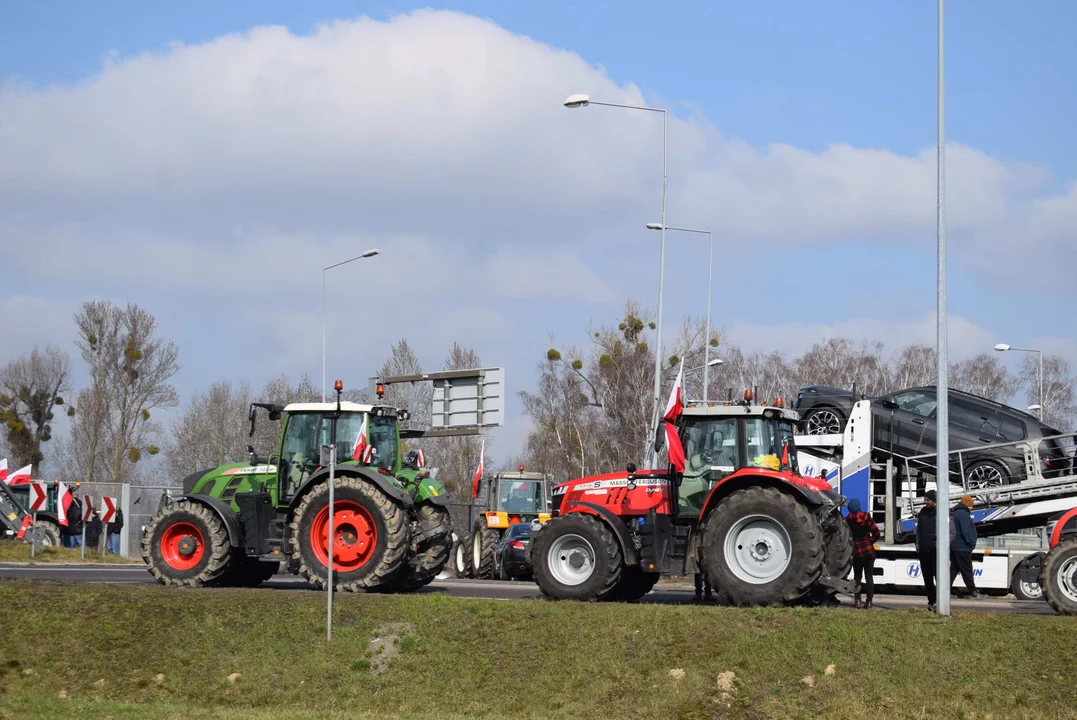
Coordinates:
661 289
707 339
942 470
325 305
332 507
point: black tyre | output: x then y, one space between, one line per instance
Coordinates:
427 557
187 544
576 557
483 546
47 533
371 536
1059 578
1023 589
462 557
839 547
762 547
634 584
823 420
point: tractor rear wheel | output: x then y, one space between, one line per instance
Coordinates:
483 546
47 533
462 557
428 557
187 544
1059 577
576 557
763 547
371 536
634 584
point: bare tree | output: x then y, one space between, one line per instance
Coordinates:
414 397
31 388
915 366
213 430
1059 396
840 363
985 376
130 368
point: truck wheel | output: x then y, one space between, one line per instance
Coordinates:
187 544
371 536
483 545
1059 578
576 557
462 554
429 556
634 584
763 547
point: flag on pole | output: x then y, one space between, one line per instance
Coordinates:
3 469
20 477
64 498
478 473
420 458
673 411
361 447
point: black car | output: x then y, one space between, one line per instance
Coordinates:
905 426
510 556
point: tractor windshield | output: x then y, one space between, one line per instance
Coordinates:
521 496
769 443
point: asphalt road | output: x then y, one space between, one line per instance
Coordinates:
664 593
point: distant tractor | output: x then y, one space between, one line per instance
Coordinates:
512 497
47 530
760 531
235 524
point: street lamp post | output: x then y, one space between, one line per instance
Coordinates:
1003 347
325 303
710 279
578 101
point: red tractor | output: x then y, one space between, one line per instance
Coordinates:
761 532
1059 574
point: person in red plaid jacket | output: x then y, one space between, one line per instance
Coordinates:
865 532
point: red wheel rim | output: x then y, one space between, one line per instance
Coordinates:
182 545
355 533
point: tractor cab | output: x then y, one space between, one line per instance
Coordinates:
517 497
720 439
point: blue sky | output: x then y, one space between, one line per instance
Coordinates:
762 92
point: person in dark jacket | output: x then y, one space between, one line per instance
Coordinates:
865 532
114 528
927 545
962 541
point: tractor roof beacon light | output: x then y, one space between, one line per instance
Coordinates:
748 396
338 386
778 402
521 468
380 390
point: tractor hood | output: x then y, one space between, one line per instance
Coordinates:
205 481
607 480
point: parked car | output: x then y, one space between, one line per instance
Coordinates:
510 558
905 425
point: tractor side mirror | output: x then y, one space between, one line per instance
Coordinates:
252 457
250 416
631 468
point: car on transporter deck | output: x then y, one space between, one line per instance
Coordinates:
905 423
764 534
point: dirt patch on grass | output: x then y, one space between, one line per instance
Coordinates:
385 644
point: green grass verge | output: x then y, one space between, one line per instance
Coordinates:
154 652
15 551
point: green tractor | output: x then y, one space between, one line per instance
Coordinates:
235 524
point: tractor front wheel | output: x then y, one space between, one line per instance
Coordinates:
187 544
462 557
576 557
431 552
763 547
483 546
47 533
1059 577
370 536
